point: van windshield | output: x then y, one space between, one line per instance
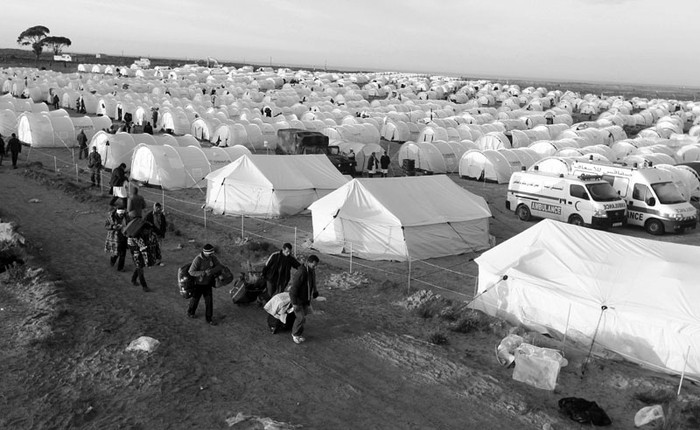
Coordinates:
602 192
668 193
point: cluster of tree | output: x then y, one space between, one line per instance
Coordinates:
38 37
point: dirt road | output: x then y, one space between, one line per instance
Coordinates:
362 366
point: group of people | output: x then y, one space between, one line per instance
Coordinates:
13 147
277 274
380 166
129 230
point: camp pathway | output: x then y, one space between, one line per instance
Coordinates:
349 374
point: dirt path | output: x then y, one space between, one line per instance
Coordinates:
353 372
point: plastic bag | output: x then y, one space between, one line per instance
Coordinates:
537 366
143 343
648 414
505 352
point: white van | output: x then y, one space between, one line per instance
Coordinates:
581 200
653 200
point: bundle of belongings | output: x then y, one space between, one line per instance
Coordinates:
280 312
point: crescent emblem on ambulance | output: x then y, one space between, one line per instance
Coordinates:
576 205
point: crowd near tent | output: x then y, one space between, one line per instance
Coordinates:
399 218
559 278
270 186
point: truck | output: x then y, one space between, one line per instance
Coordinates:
585 200
299 141
653 200
63 57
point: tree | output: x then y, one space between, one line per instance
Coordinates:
34 37
56 43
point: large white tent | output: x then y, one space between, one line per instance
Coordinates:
270 186
638 297
169 167
415 217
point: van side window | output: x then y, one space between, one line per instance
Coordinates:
640 192
579 191
620 184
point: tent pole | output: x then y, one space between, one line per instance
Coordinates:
680 384
566 329
595 334
408 287
476 287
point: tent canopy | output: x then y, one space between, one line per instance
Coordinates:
560 277
396 218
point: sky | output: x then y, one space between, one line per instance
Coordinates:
650 42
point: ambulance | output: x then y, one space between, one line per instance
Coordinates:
653 200
585 200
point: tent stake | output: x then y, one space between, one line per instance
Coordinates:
680 384
595 334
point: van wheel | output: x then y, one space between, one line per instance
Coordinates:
523 212
655 227
575 220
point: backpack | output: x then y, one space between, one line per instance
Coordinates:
185 282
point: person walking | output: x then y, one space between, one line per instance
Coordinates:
117 181
142 253
372 165
82 145
277 270
2 150
136 203
94 162
15 147
116 243
300 294
204 268
156 218
384 162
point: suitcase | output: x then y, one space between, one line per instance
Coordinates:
185 282
276 325
245 292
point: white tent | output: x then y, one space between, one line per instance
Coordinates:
169 167
396 218
489 165
564 279
270 186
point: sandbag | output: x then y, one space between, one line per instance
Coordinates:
185 282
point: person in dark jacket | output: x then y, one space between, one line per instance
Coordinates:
302 291
156 218
136 204
117 180
277 270
205 268
384 162
148 128
82 145
372 165
116 244
15 147
94 162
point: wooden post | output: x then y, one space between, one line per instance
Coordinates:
242 226
55 166
295 241
350 257
408 287
680 384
